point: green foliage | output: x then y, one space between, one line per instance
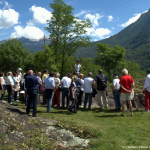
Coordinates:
44 60
66 32
12 55
109 57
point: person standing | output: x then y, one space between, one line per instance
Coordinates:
57 92
126 84
116 92
80 86
31 83
146 90
88 89
2 85
16 86
45 75
66 82
77 68
10 84
49 90
102 82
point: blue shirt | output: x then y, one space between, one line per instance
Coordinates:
31 82
49 83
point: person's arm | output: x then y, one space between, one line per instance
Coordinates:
128 91
72 92
1 82
11 85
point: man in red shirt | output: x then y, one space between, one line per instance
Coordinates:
126 84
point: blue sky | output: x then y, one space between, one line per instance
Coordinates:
28 17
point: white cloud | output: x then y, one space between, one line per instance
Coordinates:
30 32
133 19
94 18
99 32
40 15
8 18
110 18
81 13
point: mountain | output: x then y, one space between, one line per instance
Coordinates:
34 45
135 39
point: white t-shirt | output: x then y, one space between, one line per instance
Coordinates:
88 81
9 80
3 81
66 82
116 84
77 68
147 83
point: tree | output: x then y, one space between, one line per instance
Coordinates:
12 55
67 32
43 60
109 57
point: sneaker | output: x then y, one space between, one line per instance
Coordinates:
17 100
146 110
11 103
127 110
3 101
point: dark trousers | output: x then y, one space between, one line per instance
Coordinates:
79 99
32 98
116 94
15 96
9 90
65 93
88 96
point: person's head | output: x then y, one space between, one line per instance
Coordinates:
39 74
115 76
10 73
74 78
77 61
45 71
124 71
81 76
15 74
90 74
57 75
100 71
19 70
68 75
30 72
51 74
1 74
148 71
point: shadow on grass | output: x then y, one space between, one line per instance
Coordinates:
16 110
105 116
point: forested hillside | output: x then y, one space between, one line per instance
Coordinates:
135 39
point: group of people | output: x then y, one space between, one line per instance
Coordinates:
51 86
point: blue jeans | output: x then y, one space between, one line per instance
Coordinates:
88 96
116 94
65 92
32 98
79 99
9 90
49 97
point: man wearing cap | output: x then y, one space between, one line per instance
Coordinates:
116 91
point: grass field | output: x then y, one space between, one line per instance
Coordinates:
106 129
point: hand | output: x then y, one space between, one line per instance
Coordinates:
128 91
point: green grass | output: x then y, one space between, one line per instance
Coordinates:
106 129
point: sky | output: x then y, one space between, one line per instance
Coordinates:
27 18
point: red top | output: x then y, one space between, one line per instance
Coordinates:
126 82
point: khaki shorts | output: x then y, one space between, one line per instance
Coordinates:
126 96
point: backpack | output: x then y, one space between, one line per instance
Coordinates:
101 83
